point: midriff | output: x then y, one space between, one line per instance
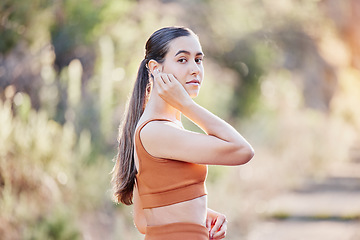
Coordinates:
191 211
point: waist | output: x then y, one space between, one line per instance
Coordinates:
171 195
191 211
177 231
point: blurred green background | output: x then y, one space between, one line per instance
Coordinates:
285 73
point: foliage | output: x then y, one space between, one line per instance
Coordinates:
16 19
55 227
42 166
66 68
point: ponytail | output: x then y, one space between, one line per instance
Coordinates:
124 171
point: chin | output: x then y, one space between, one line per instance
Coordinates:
193 95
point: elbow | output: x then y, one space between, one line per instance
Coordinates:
244 155
250 154
237 154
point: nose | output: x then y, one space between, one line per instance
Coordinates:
194 68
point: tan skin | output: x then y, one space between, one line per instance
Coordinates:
176 81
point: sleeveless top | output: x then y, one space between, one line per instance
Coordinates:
163 182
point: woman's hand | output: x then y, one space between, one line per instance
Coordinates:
171 90
216 223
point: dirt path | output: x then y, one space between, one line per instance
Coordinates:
321 209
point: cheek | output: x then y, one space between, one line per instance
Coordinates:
171 68
179 74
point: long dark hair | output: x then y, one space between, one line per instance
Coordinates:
124 171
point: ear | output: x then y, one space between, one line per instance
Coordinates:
152 64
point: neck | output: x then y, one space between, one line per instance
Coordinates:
157 107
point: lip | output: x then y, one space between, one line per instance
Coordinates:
194 82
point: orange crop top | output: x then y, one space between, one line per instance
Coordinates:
163 182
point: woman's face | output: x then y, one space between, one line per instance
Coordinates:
184 61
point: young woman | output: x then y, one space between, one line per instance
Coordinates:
161 167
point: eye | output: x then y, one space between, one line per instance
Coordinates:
198 60
182 60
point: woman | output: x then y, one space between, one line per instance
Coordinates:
161 167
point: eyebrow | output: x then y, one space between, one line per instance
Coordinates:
188 53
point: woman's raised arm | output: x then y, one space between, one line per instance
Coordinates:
221 145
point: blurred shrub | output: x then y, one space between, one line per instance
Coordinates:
43 167
16 17
58 226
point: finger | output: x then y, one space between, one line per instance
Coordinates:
208 224
165 78
162 79
172 78
157 76
221 233
218 223
156 72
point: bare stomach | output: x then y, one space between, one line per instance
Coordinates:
192 211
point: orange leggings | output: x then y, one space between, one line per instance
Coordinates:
177 231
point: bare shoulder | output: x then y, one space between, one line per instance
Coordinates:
164 139
159 130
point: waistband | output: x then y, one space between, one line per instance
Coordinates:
177 231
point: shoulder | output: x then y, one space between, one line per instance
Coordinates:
158 128
163 139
